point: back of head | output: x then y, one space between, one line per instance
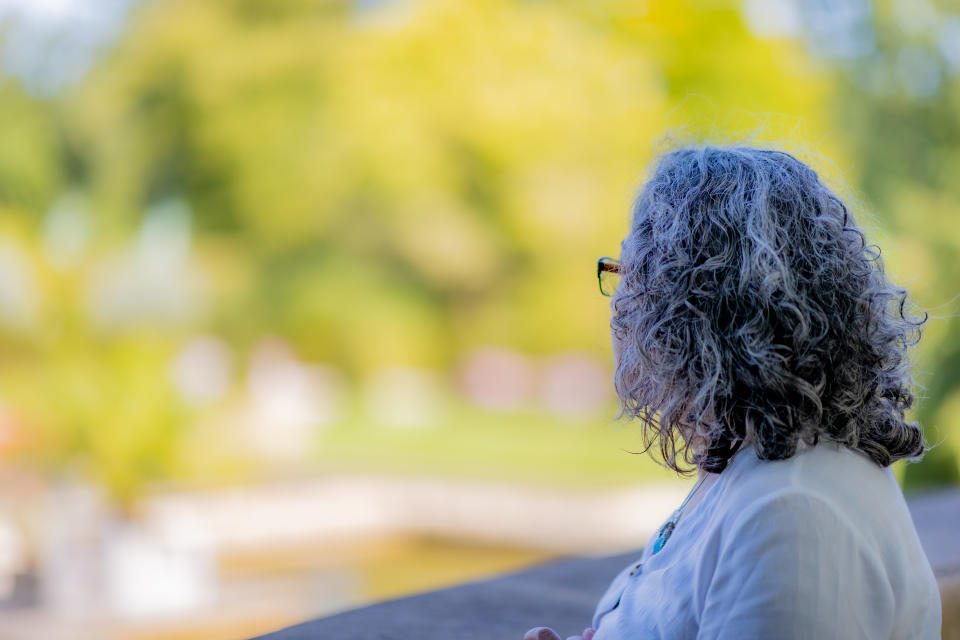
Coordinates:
751 309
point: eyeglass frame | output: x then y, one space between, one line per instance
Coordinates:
606 265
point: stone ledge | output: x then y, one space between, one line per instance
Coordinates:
563 593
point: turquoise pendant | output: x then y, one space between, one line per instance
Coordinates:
665 532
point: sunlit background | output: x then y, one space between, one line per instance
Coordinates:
298 306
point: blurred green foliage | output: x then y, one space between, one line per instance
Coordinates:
396 183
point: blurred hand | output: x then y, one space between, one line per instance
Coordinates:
546 633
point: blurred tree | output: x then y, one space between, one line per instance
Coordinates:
31 168
100 412
477 156
897 103
397 182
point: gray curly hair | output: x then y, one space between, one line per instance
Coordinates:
752 310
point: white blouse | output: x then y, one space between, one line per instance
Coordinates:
820 545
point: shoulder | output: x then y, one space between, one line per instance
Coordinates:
792 515
823 499
818 479
793 560
820 542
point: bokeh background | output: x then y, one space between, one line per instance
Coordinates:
298 297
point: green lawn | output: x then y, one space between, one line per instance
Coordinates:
532 448
529 448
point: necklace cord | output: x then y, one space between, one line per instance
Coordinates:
691 494
667 529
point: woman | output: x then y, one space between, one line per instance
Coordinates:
758 342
